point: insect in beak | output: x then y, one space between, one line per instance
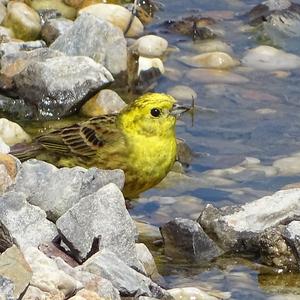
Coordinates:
177 110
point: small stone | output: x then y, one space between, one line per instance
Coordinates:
182 93
103 103
23 20
58 5
151 46
146 64
23 223
109 48
53 28
14 267
128 281
101 216
214 60
57 86
117 15
185 238
11 133
270 59
45 185
46 275
215 76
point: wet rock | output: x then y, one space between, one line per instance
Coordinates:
118 16
58 5
103 218
109 48
22 222
146 259
8 171
101 286
53 28
128 281
186 293
14 267
57 86
46 275
213 60
12 133
186 238
13 47
23 20
288 166
269 58
105 102
6 289
45 185
239 228
275 251
151 46
215 76
207 46
182 93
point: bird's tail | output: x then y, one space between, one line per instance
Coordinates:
25 151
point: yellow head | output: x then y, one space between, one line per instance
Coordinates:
152 114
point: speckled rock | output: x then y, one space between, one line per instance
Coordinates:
109 48
58 86
118 16
101 215
105 102
23 20
45 185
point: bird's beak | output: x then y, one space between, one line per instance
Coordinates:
177 110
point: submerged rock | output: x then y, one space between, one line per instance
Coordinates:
186 293
102 219
118 15
58 86
109 48
270 58
186 238
45 185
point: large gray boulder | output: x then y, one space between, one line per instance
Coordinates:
57 190
100 218
96 38
58 86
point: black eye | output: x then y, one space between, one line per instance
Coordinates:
155 112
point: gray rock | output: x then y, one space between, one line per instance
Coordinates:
109 48
14 267
6 289
99 285
292 235
183 237
25 224
53 28
12 47
56 190
102 216
239 228
58 86
128 281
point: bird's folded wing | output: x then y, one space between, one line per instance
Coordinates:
80 139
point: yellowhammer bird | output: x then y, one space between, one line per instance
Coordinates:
140 140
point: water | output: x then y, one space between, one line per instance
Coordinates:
232 129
